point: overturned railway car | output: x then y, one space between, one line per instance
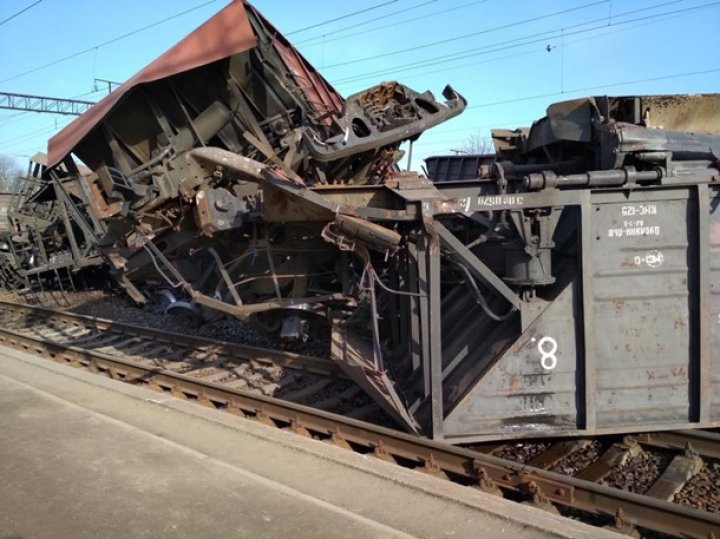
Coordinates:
571 288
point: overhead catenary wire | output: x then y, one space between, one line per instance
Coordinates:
465 36
342 17
15 115
512 43
541 50
430 145
393 25
405 78
23 10
477 127
322 38
607 21
25 137
108 42
530 39
528 98
598 87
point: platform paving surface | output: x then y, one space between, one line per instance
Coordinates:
82 456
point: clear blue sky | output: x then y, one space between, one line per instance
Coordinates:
595 47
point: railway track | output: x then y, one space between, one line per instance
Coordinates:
678 466
298 378
41 331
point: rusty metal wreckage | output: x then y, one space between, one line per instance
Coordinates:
570 288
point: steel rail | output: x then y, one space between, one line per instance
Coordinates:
242 351
458 464
704 443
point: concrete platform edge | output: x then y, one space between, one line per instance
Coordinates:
527 517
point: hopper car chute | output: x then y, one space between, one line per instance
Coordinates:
570 287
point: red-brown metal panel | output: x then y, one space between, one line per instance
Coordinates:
228 32
318 91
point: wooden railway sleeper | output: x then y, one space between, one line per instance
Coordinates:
601 500
237 351
681 469
616 455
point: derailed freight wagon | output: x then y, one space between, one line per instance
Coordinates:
570 289
573 289
613 266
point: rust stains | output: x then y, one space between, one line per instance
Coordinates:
318 91
226 33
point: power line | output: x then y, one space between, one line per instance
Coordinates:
28 136
347 16
517 42
357 25
436 131
108 42
428 145
6 118
465 36
473 52
597 87
405 78
541 50
23 139
11 17
393 25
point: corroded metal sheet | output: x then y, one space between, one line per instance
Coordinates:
226 33
317 90
644 296
569 289
713 303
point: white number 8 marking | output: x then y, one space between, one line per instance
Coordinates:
548 359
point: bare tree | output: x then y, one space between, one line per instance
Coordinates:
10 172
477 144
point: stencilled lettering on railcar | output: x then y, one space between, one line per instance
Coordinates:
548 359
637 231
500 200
653 259
547 347
635 228
639 210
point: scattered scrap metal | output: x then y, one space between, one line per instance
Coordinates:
568 288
